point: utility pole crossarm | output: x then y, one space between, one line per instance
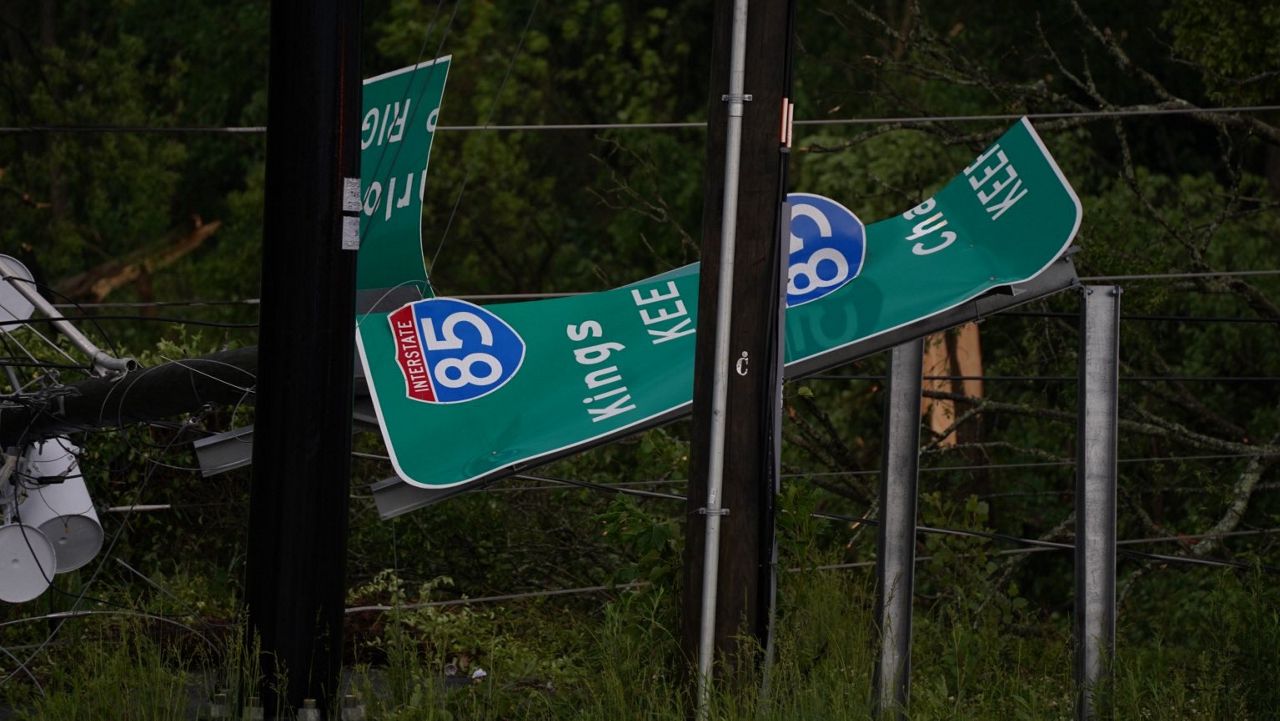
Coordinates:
103 363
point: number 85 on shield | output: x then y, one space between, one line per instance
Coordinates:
827 248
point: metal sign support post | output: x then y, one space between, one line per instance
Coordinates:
896 537
1095 554
720 385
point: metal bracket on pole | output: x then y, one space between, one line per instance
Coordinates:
226 451
103 363
896 537
351 214
704 511
1096 473
229 450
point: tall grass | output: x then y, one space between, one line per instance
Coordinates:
123 675
1215 660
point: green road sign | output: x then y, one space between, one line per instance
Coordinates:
466 393
400 113
1001 221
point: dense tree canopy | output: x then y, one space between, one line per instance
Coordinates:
89 183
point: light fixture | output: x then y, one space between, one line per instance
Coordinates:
57 502
27 558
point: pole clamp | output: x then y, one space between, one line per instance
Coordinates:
734 98
351 214
704 511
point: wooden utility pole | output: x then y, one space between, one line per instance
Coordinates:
744 591
302 450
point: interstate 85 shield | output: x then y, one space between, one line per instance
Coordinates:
828 247
452 351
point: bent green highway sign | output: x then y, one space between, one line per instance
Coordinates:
466 393
401 109
1001 221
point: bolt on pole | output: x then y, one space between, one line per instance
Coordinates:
1096 472
896 536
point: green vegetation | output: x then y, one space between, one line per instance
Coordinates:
583 660
585 210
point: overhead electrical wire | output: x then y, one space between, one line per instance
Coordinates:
500 297
1036 464
1053 545
1034 546
160 303
131 318
813 122
1181 276
1054 379
1144 317
621 488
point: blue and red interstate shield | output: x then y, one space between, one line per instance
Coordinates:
452 351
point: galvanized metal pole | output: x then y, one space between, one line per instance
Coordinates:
1095 555
719 394
103 363
896 539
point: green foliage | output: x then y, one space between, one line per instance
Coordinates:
1231 45
586 210
652 540
127 676
553 661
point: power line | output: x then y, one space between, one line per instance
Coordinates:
1054 379
1054 545
137 318
161 303
1033 549
607 488
626 488
621 490
518 297
1096 114
1035 464
1145 317
504 597
1182 276
906 120
1035 546
131 129
537 127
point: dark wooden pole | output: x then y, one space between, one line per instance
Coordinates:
302 450
745 587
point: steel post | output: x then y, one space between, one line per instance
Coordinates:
719 394
896 538
1095 554
103 363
